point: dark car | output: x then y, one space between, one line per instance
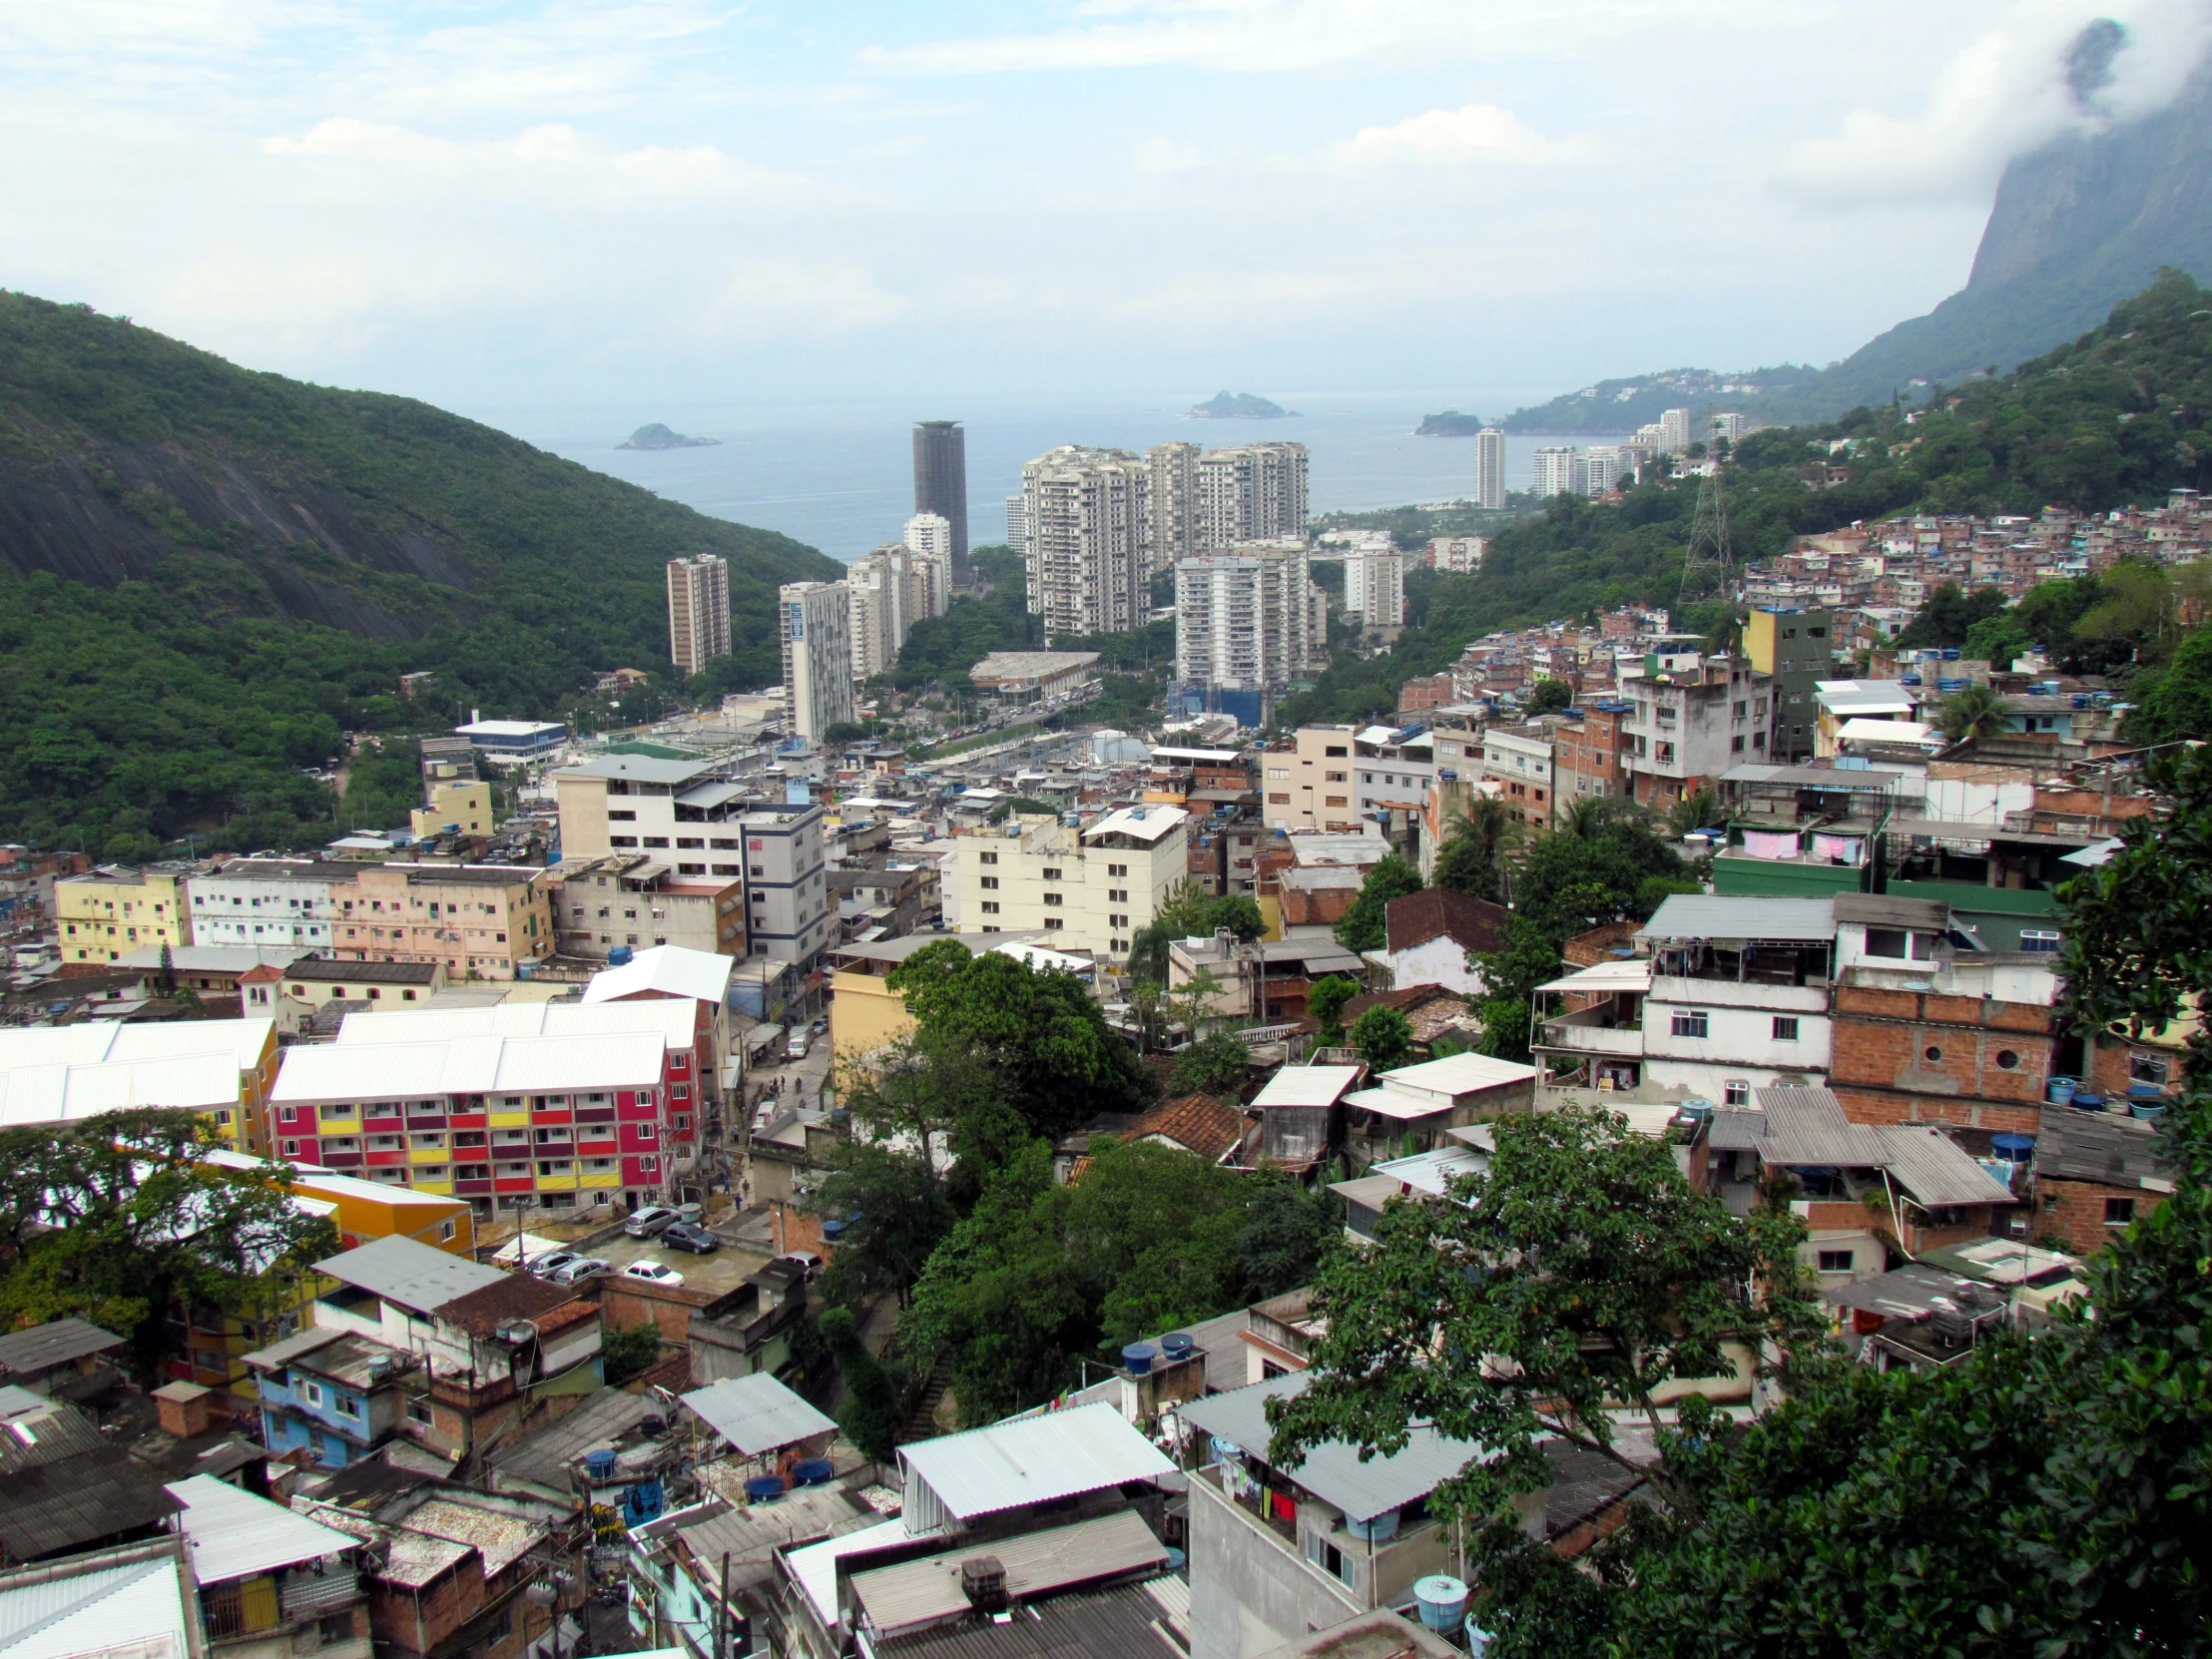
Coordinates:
685 1235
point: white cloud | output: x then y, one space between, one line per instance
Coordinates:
1474 132
768 298
2001 96
1161 155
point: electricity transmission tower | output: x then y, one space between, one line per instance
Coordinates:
1708 568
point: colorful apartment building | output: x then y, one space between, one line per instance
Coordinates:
479 921
222 1068
110 911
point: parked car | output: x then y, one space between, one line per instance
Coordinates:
546 1266
687 1235
796 1049
653 1273
649 1222
573 1273
805 1261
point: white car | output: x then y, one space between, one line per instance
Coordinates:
653 1273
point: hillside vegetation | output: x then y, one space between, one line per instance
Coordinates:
2121 416
206 573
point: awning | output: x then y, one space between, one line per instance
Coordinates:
1633 974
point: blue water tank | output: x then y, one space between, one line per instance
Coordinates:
811 1472
1951 653
2086 1101
620 955
1443 1600
764 1489
1375 1530
1135 1358
1908 679
2080 700
599 1465
2016 1148
1176 1347
833 1230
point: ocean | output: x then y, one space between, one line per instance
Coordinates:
840 476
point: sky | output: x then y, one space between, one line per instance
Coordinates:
508 205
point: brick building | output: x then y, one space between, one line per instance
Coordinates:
2095 1172
1587 752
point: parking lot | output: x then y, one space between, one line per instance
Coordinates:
714 1276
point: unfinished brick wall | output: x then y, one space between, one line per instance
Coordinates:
1922 1057
2074 1210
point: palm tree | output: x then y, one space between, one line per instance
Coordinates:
1694 812
1476 844
1976 711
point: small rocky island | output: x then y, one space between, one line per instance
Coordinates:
1450 424
657 436
1239 405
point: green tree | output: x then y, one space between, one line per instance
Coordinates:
1326 1002
1042 1033
1477 845
1976 711
1699 809
1998 640
1215 1065
2175 702
1948 616
1548 696
1287 1230
896 1209
1362 928
121 1219
870 1415
625 1350
1383 1037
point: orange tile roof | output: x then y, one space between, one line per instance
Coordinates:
1196 1121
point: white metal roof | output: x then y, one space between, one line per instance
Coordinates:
136 1608
1219 756
243 1040
1034 1460
1716 916
1338 849
674 969
1142 823
409 1271
1036 956
1458 1074
814 1567
235 1534
67 1093
215 958
674 1021
757 1413
1306 1086
1859 729
507 728
470 1065
1633 974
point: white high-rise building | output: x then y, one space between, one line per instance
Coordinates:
1254 492
929 533
1732 427
1489 469
894 588
1087 517
698 612
1601 470
1375 586
1250 619
816 622
1456 554
929 559
1172 479
1555 471
1674 432
1018 523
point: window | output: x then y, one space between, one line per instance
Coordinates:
1736 1091
1279 800
990 906
620 816
311 1392
1932 1054
1054 924
990 883
1117 870
1736 745
2039 939
291 1148
987 858
419 1410
1837 1260
1336 751
1338 777
2146 1068
2007 1060
2118 1212
349 1406
1053 898
1690 1023
1784 1028
1335 801
1331 1559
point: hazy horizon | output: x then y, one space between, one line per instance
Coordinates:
546 205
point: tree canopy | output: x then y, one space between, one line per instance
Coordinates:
1365 925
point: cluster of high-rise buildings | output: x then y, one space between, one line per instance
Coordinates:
836 635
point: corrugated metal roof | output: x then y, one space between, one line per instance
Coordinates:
674 969
51 1344
473 1065
1935 1170
245 1040
79 1500
919 1593
1333 1473
137 1607
1631 975
1458 1075
1883 911
1718 917
673 1020
281 1354
67 1093
1125 1622
235 1534
544 1458
1034 1460
2097 1146
1735 1131
757 1413
813 1567
409 1271
1306 1086
1808 1126
1142 823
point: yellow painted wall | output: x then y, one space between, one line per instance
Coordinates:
864 1014
466 805
1759 640
101 919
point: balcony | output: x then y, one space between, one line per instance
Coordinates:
320 1594
1595 1031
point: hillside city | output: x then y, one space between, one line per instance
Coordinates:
896 1163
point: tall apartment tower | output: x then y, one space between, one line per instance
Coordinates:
698 612
1489 469
1555 469
1086 512
1018 523
940 481
816 622
1254 492
1171 470
1375 586
1250 619
929 550
1602 470
1674 432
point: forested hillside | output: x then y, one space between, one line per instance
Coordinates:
2121 416
206 573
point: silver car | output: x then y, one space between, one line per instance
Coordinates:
571 1272
648 1222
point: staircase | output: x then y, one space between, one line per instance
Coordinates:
921 1422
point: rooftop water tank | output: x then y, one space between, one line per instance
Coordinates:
1135 1358
2013 1148
1908 679
1375 1529
1176 1347
764 1489
1951 653
811 1472
1443 1600
620 955
599 1466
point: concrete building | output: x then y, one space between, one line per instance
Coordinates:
1729 428
478 921
637 901
1489 469
1602 470
1555 471
697 611
1455 555
1087 514
106 914
929 534
1796 648
502 741
1518 758
1674 432
1375 587
1172 480
790 913
1250 619
1254 492
1695 717
457 806
271 1584
1018 523
1586 752
321 979
1091 888
1335 776
1430 938
1033 676
272 901
817 633
940 483
59 1073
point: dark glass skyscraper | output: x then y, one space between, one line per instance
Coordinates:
940 483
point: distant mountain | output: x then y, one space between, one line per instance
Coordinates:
2077 227
1240 406
1449 424
657 436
